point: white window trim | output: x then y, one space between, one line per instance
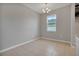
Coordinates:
47 23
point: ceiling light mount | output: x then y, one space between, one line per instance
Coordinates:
46 9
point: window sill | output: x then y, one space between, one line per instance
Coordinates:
51 31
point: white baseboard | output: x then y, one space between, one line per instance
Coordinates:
56 40
72 46
12 47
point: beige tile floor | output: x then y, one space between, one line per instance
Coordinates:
42 47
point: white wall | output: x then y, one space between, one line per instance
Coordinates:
19 24
0 26
73 25
63 24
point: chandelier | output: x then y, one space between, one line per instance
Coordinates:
45 9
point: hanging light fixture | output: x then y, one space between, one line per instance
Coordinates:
45 9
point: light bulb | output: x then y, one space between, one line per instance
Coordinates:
43 10
47 8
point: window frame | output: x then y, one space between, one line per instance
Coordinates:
47 23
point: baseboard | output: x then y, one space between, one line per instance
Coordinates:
12 47
72 46
56 40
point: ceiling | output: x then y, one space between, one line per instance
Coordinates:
38 6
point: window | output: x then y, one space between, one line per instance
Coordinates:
51 23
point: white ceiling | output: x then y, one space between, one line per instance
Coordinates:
38 6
